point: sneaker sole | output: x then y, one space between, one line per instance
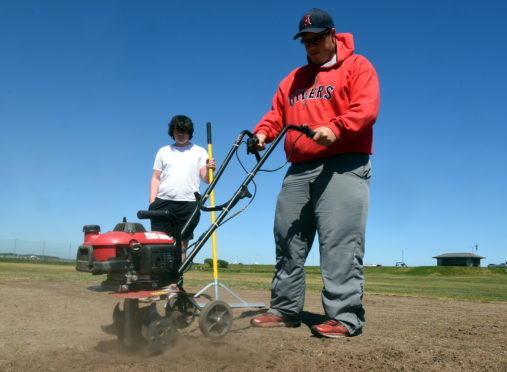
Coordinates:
276 324
329 335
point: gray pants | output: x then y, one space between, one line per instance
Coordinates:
328 196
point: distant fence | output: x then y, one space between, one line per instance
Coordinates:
66 250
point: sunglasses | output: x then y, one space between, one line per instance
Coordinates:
316 40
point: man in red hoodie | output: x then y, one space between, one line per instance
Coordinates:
326 188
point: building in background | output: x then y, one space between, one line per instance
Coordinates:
459 259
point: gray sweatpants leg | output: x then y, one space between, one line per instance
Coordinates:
328 196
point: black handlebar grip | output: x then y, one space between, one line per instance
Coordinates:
307 131
148 215
251 143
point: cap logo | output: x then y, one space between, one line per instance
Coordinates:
307 22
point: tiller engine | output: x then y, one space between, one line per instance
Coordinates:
132 258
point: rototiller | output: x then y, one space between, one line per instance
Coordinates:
144 268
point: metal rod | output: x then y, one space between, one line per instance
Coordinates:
212 214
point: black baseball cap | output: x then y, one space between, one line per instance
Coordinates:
315 20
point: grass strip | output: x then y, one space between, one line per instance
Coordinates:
472 284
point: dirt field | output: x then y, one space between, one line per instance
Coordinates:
53 326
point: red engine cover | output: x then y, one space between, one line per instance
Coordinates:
104 245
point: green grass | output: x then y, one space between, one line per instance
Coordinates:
461 283
487 288
39 261
42 271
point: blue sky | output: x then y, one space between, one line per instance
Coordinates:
87 88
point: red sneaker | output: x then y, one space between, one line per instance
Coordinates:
271 320
330 328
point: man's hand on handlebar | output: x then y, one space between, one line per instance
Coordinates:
324 136
261 145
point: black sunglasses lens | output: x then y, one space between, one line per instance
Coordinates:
308 41
314 40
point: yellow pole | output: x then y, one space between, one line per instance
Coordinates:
212 203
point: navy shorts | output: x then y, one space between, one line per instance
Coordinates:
181 209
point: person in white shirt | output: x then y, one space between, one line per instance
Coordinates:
177 171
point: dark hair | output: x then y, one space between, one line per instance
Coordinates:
181 123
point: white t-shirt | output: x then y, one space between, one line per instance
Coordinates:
180 168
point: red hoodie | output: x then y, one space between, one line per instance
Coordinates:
343 97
